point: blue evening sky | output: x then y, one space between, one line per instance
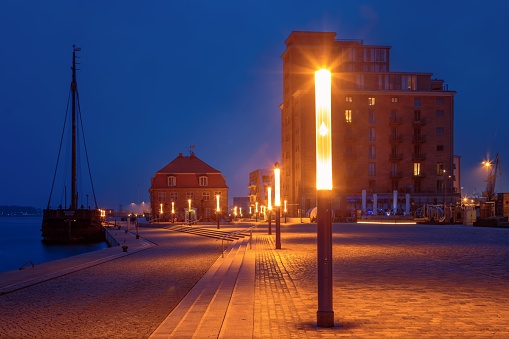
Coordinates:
159 76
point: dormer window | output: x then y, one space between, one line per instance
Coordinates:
203 181
172 181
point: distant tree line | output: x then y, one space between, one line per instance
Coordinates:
19 210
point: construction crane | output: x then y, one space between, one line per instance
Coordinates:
494 170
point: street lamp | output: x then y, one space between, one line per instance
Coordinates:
256 211
218 209
269 207
160 211
325 313
189 211
173 211
277 203
285 211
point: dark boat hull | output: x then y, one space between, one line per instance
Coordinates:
72 226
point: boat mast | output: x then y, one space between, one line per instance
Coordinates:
74 88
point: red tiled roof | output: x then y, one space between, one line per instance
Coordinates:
190 164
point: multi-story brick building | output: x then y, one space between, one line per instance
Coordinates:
390 130
187 177
259 181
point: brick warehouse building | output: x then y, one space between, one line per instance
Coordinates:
187 177
390 130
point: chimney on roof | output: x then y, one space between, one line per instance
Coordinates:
180 155
192 155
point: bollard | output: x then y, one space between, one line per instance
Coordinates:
250 238
124 248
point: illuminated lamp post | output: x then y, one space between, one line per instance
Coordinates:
189 211
160 212
285 210
218 209
277 203
325 313
269 208
256 211
173 211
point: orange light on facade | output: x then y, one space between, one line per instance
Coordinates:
173 207
161 208
323 130
284 209
218 209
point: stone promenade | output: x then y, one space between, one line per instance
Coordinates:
401 281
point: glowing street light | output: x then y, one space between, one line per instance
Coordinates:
256 211
285 211
160 211
277 203
269 207
218 209
173 211
325 313
189 210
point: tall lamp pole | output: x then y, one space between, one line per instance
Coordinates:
269 208
325 313
256 211
173 211
189 211
218 209
277 203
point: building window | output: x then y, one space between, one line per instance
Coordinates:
172 181
394 99
189 195
440 148
440 113
205 196
161 196
371 101
349 99
371 136
218 193
440 130
394 169
203 181
417 115
440 100
417 102
440 168
417 168
371 169
371 117
174 196
371 152
348 115
372 185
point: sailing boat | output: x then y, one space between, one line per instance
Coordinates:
74 224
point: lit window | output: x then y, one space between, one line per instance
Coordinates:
348 99
172 181
203 181
371 101
440 130
348 115
440 168
417 168
394 99
206 196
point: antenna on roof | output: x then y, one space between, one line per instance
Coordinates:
191 148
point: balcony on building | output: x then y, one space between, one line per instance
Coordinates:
395 156
419 121
396 120
418 139
418 157
396 174
396 139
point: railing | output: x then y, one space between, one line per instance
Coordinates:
419 121
418 138
396 138
396 120
395 156
418 157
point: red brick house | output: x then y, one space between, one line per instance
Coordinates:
187 177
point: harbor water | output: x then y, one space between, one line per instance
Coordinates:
21 244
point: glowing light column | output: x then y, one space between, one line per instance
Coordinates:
173 211
218 210
325 313
269 207
277 203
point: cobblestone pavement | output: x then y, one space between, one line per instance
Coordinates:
123 298
389 281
